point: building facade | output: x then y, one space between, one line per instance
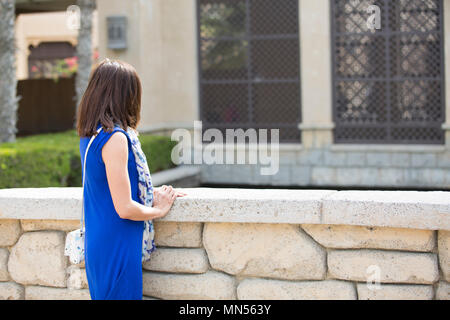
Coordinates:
358 104
42 37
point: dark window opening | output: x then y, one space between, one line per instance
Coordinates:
388 84
250 65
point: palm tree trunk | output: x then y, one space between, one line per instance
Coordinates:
8 81
84 47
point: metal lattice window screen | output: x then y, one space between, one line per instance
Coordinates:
388 83
249 65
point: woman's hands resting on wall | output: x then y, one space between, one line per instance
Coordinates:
115 157
164 197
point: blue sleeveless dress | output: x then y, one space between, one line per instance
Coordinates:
113 246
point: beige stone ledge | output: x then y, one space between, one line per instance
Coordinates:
201 205
263 289
395 292
46 293
41 203
207 286
385 266
396 209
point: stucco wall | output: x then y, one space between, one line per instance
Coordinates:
162 45
246 244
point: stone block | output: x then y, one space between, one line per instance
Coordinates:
61 225
178 260
401 160
46 293
281 178
444 253
11 291
207 286
423 160
434 177
264 289
301 175
443 291
174 234
239 205
310 157
356 237
288 157
391 177
9 232
394 209
38 259
77 278
356 159
350 176
279 251
443 160
335 159
4 254
391 267
395 292
323 176
379 159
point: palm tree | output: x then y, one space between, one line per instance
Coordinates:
8 81
84 47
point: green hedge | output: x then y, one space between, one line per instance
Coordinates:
53 160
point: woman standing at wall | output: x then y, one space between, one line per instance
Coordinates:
113 189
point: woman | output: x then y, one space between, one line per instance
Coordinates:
114 214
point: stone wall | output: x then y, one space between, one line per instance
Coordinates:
345 166
246 244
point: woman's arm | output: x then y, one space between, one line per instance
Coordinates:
115 157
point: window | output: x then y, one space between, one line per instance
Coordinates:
388 83
50 59
249 65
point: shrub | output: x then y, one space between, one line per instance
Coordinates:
53 160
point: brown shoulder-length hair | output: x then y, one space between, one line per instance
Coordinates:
113 96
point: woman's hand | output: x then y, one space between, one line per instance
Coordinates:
164 197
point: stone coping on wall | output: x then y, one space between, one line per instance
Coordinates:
402 209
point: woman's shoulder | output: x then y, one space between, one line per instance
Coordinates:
120 136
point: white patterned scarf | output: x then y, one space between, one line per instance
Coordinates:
145 188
